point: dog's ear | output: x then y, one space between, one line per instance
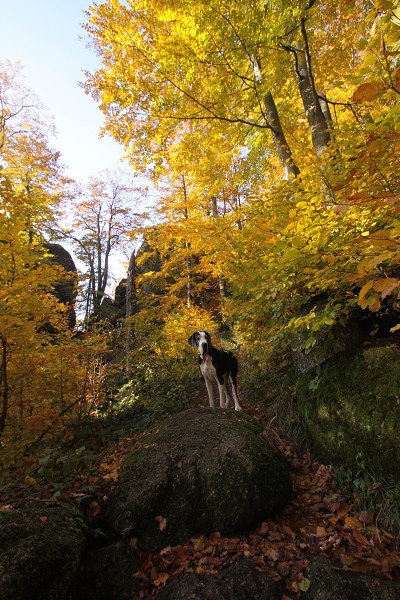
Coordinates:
192 340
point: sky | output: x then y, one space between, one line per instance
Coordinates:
45 36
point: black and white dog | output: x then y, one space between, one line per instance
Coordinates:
216 365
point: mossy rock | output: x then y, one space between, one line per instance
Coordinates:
240 581
107 574
40 551
350 407
329 581
205 470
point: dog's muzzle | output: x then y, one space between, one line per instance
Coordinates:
203 349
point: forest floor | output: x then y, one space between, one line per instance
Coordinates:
316 521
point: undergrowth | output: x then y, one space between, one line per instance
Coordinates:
380 497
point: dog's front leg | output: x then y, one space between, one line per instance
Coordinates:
210 392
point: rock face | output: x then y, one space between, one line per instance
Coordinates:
111 310
205 470
65 289
330 582
340 339
241 581
41 549
107 574
349 407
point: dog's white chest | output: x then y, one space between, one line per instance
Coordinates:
207 369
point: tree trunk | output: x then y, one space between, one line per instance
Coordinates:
281 145
312 106
131 307
221 280
4 385
188 250
274 124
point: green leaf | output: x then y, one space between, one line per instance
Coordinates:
304 584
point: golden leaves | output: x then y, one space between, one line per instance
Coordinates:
370 91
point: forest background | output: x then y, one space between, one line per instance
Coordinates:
270 131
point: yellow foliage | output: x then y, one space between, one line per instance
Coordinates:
179 326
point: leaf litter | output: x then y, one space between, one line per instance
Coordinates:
317 521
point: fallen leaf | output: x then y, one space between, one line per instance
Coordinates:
304 584
342 510
273 554
161 579
263 529
365 517
198 543
352 523
133 543
346 560
290 532
360 538
321 532
162 522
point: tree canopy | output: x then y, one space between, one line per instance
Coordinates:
291 107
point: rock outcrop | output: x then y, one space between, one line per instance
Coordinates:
65 289
240 581
329 581
41 549
349 407
205 470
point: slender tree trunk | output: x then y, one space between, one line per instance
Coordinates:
274 123
312 106
221 280
188 252
281 145
4 385
131 307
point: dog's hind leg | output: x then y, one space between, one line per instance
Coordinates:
222 394
225 390
234 393
235 398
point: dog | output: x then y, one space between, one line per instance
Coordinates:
216 365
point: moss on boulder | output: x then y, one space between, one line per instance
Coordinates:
40 552
240 581
205 470
351 407
329 581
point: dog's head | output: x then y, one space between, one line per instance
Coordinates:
200 340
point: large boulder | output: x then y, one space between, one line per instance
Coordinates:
241 581
204 470
339 339
350 409
330 582
107 574
40 552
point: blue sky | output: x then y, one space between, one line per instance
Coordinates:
44 35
